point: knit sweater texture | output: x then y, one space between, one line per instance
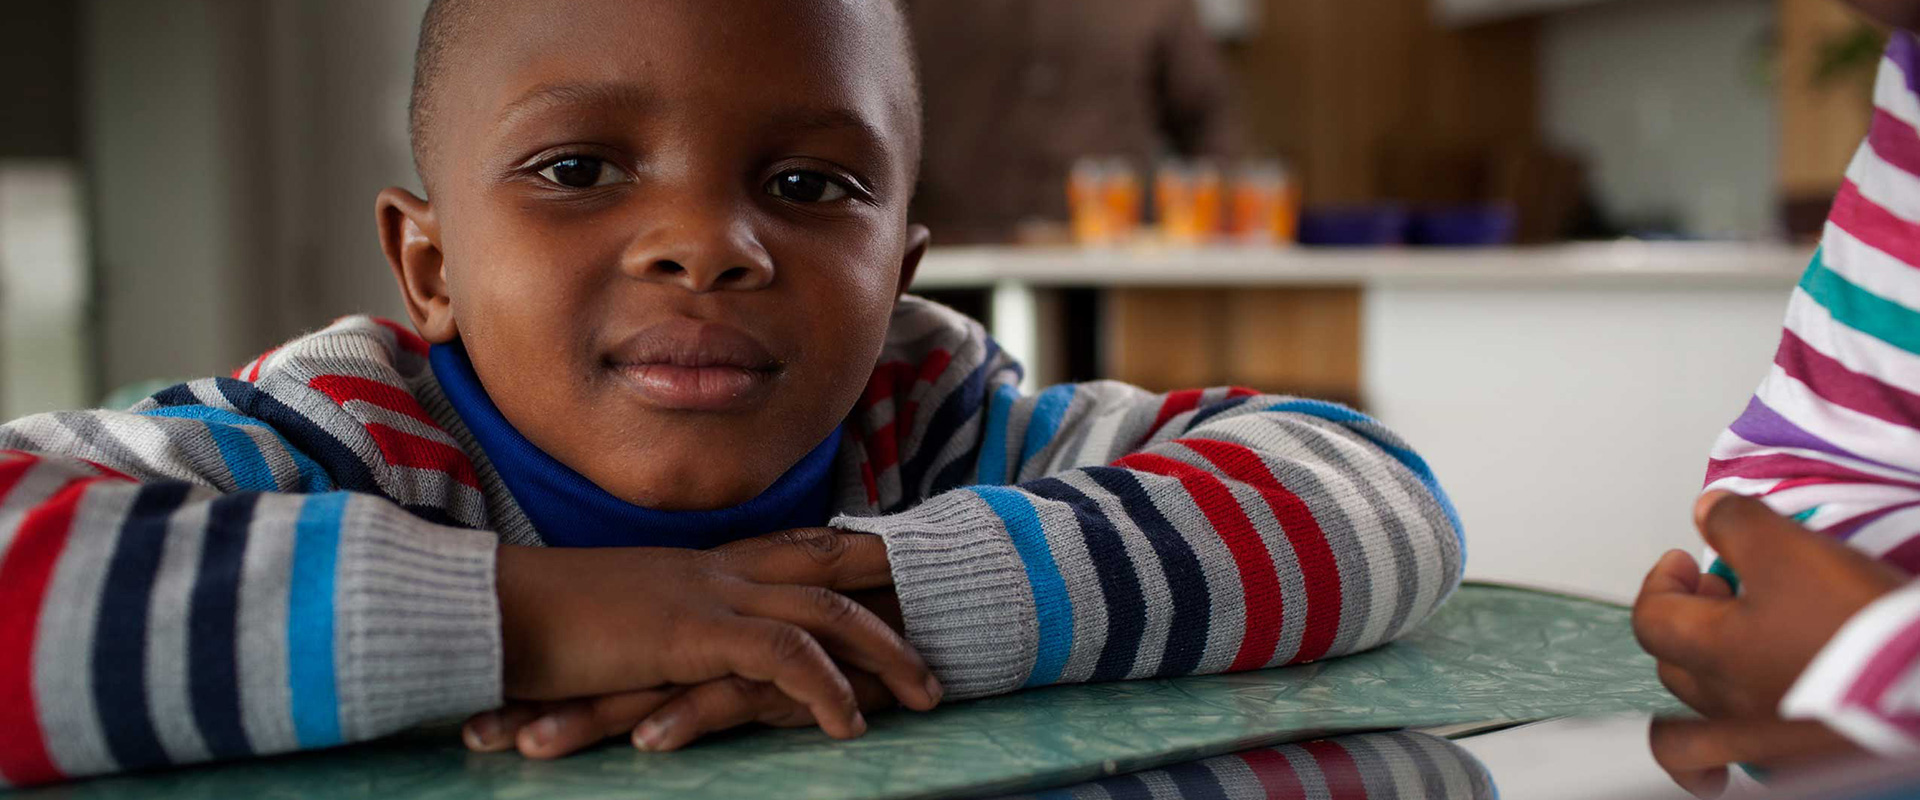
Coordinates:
303 554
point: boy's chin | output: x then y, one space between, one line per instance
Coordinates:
699 483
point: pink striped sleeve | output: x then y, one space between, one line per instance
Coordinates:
1866 682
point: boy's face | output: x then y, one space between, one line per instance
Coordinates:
669 234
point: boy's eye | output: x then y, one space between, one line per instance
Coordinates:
803 186
582 172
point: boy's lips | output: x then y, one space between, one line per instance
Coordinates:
689 365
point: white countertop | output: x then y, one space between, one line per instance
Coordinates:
1623 263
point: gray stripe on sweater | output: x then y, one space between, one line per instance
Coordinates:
969 609
168 636
396 667
1155 594
266 696
63 645
1068 544
1227 609
86 426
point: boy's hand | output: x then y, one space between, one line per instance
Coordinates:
589 622
1697 752
1729 656
554 730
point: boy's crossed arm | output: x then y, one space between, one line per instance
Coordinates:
1099 532
186 584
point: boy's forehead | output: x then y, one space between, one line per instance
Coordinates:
811 60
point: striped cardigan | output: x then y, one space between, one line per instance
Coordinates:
1832 437
1400 765
302 555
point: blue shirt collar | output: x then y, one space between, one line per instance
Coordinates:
570 511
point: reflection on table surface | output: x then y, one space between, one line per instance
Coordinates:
1563 759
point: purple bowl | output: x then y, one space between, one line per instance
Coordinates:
1472 226
1359 226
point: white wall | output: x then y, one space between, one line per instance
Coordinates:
1667 99
1570 427
235 147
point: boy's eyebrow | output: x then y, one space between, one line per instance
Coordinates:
545 97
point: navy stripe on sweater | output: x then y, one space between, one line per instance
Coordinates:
119 680
1119 584
340 462
214 606
1192 601
966 400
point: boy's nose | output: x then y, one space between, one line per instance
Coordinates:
701 253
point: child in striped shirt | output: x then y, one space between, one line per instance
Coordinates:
661 406
1810 615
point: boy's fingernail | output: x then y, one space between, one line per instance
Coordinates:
481 733
543 731
934 690
650 734
859 723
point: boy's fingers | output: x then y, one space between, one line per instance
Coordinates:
1687 687
1748 535
854 635
1676 572
496 731
729 703
790 658
814 557
572 726
1682 628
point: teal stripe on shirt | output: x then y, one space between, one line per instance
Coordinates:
1051 603
310 665
1860 309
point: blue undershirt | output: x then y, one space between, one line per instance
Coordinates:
570 511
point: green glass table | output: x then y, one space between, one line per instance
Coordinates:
1492 653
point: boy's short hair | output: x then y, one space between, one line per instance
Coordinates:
446 22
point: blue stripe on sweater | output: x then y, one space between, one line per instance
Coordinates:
310 666
343 467
1195 781
120 629
1127 787
237 449
1186 581
1048 413
213 609
992 463
1215 410
1119 584
1051 603
1361 424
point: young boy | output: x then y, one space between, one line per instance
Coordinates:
656 300
1825 626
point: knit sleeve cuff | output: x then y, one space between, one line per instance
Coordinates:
417 636
1863 682
963 592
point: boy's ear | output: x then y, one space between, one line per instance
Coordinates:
411 239
918 240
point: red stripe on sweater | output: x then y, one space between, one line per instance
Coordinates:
1836 384
883 448
1275 774
1875 226
1238 392
1259 583
24 575
1790 467
934 366
1318 568
1895 142
1336 764
403 449
14 465
408 340
1176 404
345 388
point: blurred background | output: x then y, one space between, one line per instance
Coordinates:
1548 240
